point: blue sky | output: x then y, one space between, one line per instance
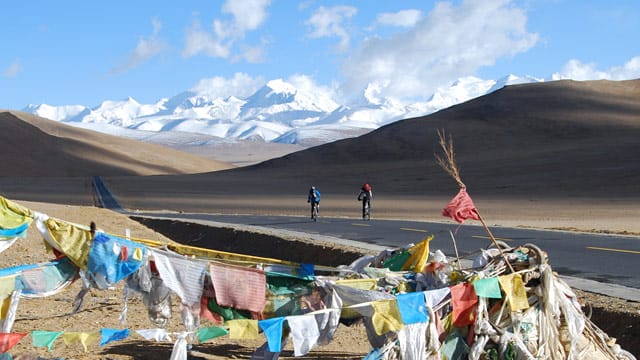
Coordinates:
84 52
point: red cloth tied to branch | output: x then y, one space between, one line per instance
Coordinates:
461 207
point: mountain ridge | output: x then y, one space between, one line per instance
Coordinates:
276 112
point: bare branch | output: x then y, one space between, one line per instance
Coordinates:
448 162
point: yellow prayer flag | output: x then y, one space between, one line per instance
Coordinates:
243 329
5 303
362 284
84 338
72 240
513 287
12 214
386 316
419 255
7 285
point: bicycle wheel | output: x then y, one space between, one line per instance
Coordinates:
314 214
367 212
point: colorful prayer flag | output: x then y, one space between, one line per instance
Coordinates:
516 293
109 335
272 329
413 308
9 340
41 338
488 287
386 316
464 300
209 333
84 338
243 329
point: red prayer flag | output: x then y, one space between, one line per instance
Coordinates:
239 287
461 207
465 301
9 340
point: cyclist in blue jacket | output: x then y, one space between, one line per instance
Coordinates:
314 199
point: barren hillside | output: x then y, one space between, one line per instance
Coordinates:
32 147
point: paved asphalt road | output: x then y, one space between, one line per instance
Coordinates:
598 257
603 258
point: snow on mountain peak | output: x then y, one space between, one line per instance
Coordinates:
279 86
278 111
57 113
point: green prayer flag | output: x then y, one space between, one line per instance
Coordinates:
44 338
488 287
209 333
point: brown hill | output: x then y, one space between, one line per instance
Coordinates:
32 146
557 138
562 138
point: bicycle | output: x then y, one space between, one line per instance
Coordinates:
314 212
366 211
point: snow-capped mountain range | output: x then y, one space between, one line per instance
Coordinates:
278 112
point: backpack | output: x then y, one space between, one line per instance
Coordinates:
366 187
316 194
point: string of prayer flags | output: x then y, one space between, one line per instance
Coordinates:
46 339
272 329
513 287
243 329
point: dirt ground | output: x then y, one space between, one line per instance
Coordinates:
618 317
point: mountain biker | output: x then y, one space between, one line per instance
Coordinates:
366 194
314 199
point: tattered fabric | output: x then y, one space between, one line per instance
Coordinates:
111 259
182 275
239 287
70 239
304 332
464 300
461 207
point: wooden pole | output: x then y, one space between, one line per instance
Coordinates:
495 242
455 247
